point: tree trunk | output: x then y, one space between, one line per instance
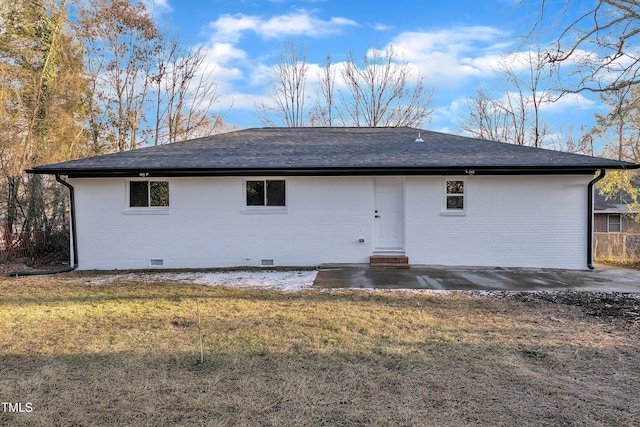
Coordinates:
13 203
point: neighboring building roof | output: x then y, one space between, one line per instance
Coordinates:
602 205
338 151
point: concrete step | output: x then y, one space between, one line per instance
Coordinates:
389 261
386 265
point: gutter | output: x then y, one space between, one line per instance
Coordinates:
321 171
590 218
74 239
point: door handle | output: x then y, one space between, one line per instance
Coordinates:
377 216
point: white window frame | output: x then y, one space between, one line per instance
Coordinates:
145 210
609 223
445 196
264 209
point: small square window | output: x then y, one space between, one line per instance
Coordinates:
455 196
615 223
144 194
266 192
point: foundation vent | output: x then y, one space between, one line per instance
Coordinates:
266 263
156 262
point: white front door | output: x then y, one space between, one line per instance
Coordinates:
389 214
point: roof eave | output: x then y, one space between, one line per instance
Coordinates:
326 171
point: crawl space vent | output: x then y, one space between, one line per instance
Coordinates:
266 263
156 262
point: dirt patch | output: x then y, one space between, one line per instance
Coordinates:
10 266
598 304
28 264
618 306
635 265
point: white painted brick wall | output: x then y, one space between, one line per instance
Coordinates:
207 225
532 221
526 221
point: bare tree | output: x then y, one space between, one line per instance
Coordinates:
185 93
287 82
123 41
566 139
323 111
504 118
486 118
382 91
598 51
599 48
619 128
514 115
532 92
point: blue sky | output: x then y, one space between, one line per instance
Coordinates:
455 44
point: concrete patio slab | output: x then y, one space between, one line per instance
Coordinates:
602 279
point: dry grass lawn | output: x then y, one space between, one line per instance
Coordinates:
128 354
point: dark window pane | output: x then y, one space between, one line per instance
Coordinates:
455 187
255 193
275 193
455 202
138 194
615 224
159 193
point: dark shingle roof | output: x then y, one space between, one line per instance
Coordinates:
621 202
332 151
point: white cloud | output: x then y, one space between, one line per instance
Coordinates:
218 68
548 102
445 115
158 7
223 75
259 74
515 61
453 39
230 28
219 57
484 64
448 57
574 101
382 27
223 53
240 101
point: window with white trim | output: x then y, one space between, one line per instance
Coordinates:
454 196
614 223
265 192
148 194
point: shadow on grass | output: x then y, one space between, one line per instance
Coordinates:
175 291
449 384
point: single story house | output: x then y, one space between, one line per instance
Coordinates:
308 196
614 216
617 228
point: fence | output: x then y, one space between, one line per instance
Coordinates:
16 245
617 246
